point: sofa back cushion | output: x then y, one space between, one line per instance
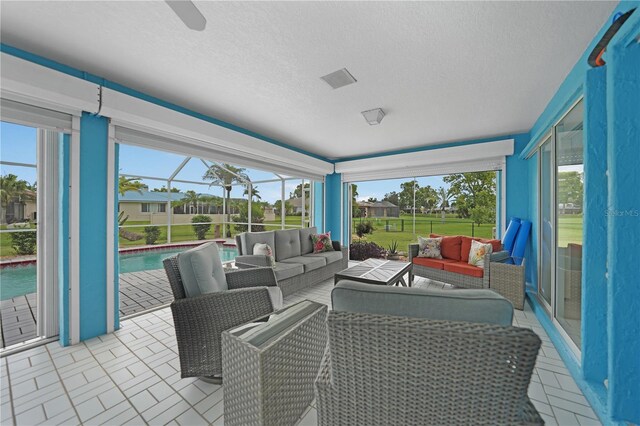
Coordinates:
450 246
201 270
484 306
465 247
250 239
287 244
306 246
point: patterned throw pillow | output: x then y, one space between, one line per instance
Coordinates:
265 249
322 242
478 250
429 247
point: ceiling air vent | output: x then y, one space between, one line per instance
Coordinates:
339 78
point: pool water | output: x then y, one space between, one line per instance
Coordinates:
21 280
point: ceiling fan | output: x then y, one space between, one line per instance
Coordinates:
188 13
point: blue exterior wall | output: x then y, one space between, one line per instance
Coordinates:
623 155
93 223
333 183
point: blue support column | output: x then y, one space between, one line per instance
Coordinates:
623 155
318 205
63 239
333 185
594 265
93 221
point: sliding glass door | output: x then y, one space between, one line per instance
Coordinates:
561 186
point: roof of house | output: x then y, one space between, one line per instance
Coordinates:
376 204
149 196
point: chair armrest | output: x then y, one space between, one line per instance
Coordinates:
499 255
254 277
253 260
323 379
413 251
336 245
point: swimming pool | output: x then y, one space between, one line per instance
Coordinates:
20 280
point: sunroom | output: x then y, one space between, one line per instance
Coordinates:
307 152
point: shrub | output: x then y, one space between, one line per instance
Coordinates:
363 228
199 227
24 242
362 250
257 217
151 234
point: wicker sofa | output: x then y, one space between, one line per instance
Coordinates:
454 268
297 267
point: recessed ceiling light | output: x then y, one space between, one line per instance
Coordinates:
373 116
338 79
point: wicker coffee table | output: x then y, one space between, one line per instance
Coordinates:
377 271
269 367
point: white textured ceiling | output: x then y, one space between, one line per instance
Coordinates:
442 71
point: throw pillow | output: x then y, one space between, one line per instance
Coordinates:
322 242
478 250
429 247
265 249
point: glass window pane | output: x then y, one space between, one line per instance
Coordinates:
569 196
546 226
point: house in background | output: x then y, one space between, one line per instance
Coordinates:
378 209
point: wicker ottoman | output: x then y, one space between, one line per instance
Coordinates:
269 367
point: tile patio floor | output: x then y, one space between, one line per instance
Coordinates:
132 377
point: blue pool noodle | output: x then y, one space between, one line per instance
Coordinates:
510 234
521 239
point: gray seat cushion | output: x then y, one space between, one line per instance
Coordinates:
329 256
306 245
310 263
287 270
249 239
287 244
484 306
201 270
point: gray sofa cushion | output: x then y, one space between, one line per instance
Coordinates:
329 256
306 245
252 238
484 306
287 244
201 270
310 263
287 270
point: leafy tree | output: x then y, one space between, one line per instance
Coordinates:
226 176
12 189
297 192
201 225
257 217
126 184
443 200
392 197
288 208
355 207
164 189
372 200
255 193
570 188
405 197
475 195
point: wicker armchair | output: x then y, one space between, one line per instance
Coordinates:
199 321
391 370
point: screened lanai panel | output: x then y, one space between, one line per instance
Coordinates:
196 148
29 115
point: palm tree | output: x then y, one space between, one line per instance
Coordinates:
255 193
129 184
443 200
226 176
11 188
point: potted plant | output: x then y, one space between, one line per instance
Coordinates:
392 253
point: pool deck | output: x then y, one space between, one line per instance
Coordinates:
139 291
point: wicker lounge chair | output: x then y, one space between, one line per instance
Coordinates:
199 321
417 369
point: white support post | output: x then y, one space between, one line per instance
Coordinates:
282 207
303 203
169 211
74 233
414 206
224 212
250 192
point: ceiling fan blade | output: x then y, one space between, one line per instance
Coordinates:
188 13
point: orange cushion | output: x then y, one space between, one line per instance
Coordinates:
496 245
450 247
465 247
465 269
431 263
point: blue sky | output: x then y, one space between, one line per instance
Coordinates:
18 144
